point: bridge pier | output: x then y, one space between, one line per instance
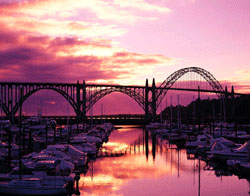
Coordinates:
146 102
153 104
84 97
150 106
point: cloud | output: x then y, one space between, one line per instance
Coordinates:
116 10
28 57
45 39
240 80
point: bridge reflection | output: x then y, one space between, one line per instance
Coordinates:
146 157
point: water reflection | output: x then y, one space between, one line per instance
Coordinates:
153 167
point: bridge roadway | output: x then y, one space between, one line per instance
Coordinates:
119 86
116 119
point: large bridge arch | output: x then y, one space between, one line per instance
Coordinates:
30 93
136 94
169 82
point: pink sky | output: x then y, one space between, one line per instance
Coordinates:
124 41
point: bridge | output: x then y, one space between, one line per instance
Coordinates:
83 96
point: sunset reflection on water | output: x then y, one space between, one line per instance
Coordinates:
159 170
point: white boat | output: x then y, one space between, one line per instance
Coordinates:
33 186
201 140
83 138
220 151
100 133
68 151
14 149
87 148
14 174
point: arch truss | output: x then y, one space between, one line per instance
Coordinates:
169 82
96 92
11 97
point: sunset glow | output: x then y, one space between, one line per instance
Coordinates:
123 41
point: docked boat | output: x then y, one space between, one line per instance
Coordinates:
201 140
14 174
219 151
33 186
243 168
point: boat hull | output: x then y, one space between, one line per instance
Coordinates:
4 189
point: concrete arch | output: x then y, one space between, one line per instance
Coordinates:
139 98
28 94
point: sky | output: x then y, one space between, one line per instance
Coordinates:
123 41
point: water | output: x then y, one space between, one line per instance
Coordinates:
154 168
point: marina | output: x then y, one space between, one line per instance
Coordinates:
156 167
132 160
52 161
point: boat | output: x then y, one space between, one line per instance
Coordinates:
243 168
28 173
33 186
201 140
220 151
14 174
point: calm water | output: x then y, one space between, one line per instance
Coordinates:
154 168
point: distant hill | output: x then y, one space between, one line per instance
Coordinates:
236 110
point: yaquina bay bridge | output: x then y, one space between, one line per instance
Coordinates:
82 96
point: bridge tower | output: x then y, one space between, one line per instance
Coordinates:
146 101
153 103
84 97
81 102
150 104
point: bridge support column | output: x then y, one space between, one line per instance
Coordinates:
153 104
199 110
146 102
78 101
84 102
224 101
233 105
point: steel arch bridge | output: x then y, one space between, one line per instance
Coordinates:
169 82
83 96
